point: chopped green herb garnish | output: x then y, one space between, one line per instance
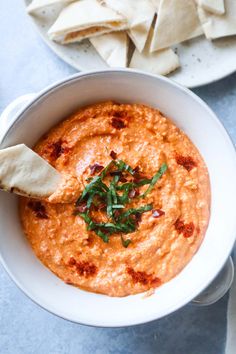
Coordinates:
109 204
104 237
113 192
155 178
124 242
93 183
122 166
140 210
106 169
114 195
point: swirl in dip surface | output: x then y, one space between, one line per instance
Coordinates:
166 237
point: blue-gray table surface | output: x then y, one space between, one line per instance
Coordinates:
28 65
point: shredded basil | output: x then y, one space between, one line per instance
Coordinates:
109 204
155 178
140 210
126 242
104 237
122 166
114 196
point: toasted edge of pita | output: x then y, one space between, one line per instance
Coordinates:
24 172
36 5
112 47
161 62
215 26
84 19
215 6
170 29
140 15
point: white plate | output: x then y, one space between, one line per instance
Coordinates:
202 61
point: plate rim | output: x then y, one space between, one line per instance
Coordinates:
66 58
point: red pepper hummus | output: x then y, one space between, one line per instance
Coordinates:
167 236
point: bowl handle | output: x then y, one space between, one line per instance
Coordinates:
218 288
8 115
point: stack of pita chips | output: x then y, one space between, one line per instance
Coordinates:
150 27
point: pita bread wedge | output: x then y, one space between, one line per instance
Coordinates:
84 19
24 172
215 6
160 62
140 14
36 5
112 47
177 21
216 26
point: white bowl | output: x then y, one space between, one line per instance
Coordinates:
192 115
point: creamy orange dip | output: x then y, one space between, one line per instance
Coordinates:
167 237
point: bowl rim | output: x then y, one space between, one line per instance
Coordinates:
67 81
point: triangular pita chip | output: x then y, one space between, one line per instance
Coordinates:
177 21
112 47
140 14
161 62
24 172
84 19
40 4
216 26
215 6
